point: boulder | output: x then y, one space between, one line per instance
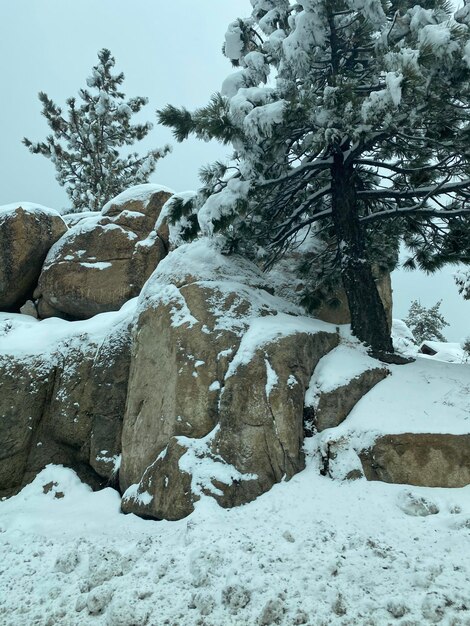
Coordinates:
27 232
63 403
335 308
218 375
25 390
423 459
340 380
327 305
104 259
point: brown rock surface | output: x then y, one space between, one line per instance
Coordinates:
335 308
25 390
26 235
185 409
334 406
104 260
428 460
64 408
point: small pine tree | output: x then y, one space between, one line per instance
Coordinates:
84 143
426 324
466 348
462 280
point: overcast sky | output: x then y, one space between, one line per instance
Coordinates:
169 52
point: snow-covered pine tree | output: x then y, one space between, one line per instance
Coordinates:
84 144
349 117
462 279
426 323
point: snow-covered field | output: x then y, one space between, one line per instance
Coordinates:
312 551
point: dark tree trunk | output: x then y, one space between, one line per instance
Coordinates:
368 318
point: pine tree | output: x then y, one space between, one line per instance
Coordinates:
349 119
462 279
84 144
426 324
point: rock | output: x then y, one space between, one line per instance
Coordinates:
335 308
272 613
334 406
27 232
26 386
339 381
261 413
417 506
65 407
105 259
428 460
217 381
29 308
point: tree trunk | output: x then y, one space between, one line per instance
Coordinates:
368 318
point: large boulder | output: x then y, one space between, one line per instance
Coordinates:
104 259
27 232
64 390
25 390
216 389
424 459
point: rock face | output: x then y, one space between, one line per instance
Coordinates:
104 260
335 309
430 460
65 407
331 396
218 376
27 232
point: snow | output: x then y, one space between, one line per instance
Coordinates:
233 41
393 81
264 330
221 204
337 369
28 207
311 551
203 261
99 265
449 352
403 339
23 336
72 219
206 467
426 396
142 193
272 378
439 38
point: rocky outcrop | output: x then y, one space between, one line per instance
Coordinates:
27 232
218 376
341 379
64 406
428 460
104 260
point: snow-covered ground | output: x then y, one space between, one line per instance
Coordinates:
311 551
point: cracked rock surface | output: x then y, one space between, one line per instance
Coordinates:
218 376
105 259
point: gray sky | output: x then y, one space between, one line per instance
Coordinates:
169 52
